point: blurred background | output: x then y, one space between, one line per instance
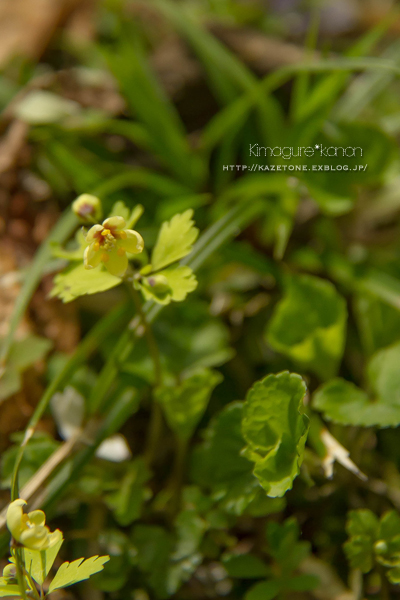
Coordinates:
146 102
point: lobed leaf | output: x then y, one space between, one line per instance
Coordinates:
362 527
185 403
275 430
219 465
178 282
309 325
343 402
175 240
78 281
79 570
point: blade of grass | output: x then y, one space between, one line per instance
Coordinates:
325 93
365 88
150 105
222 123
301 82
227 75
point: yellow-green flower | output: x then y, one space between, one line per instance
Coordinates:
109 243
30 529
88 208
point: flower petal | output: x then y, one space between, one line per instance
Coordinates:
91 257
54 538
117 264
37 517
14 518
35 538
117 223
134 242
92 232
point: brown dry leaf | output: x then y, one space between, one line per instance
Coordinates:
174 66
27 26
12 145
9 286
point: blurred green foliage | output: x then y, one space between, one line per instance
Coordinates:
295 316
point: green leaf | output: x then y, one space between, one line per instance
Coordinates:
374 148
275 430
218 465
175 240
172 284
78 281
127 502
26 352
246 566
185 403
38 564
181 281
266 590
23 353
10 383
387 548
71 253
309 325
190 528
343 402
378 322
154 545
284 545
394 575
303 583
362 527
8 589
70 573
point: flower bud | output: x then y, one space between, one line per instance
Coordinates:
10 572
159 284
380 547
88 208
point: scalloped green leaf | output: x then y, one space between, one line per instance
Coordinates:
77 281
185 403
309 325
175 240
345 403
218 465
79 570
362 527
172 284
275 429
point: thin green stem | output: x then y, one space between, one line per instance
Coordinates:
32 583
156 417
20 572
